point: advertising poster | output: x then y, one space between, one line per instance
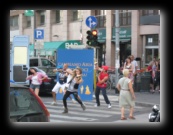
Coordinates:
83 58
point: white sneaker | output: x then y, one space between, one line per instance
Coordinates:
109 106
94 96
96 105
73 100
54 103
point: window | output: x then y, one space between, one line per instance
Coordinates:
58 16
152 40
149 12
33 62
42 17
101 18
22 102
125 17
14 21
28 19
46 62
77 15
100 12
150 54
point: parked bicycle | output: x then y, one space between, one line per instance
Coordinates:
111 81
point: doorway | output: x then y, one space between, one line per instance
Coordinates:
125 51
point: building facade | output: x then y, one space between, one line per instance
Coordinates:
139 32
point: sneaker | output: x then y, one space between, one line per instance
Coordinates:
65 110
94 96
109 106
96 105
83 107
54 103
73 100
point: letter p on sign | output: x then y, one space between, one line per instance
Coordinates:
39 34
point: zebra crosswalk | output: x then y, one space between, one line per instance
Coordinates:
76 113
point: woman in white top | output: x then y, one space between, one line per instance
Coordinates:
128 65
127 96
36 80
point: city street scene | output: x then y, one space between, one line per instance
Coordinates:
89 66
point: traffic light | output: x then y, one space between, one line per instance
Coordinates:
92 38
89 37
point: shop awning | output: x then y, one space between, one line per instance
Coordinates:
52 45
123 40
49 48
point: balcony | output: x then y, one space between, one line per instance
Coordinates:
150 20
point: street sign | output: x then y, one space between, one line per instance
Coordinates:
29 13
38 34
91 21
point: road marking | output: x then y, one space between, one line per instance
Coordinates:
79 113
71 117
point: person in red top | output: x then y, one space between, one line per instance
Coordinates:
101 85
149 68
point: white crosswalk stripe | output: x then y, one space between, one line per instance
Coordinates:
76 113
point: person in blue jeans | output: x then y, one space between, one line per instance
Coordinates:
101 85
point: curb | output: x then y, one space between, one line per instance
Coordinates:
138 103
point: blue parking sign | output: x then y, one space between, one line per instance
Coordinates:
39 34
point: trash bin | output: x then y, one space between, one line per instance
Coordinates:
137 82
145 82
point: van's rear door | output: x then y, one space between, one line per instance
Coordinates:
20 59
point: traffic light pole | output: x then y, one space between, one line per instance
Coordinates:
117 49
34 26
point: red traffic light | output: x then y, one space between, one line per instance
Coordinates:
94 32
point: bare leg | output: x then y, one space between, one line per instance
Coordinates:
54 96
131 112
37 92
122 112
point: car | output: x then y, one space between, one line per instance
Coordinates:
41 62
48 84
25 105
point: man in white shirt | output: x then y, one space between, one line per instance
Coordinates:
135 64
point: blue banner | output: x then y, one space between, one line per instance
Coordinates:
79 58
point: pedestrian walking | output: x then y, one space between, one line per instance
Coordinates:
127 96
74 83
101 86
36 79
61 83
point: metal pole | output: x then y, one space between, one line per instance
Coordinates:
81 32
34 26
117 49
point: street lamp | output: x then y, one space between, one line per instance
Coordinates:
117 49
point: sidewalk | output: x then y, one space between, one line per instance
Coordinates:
142 98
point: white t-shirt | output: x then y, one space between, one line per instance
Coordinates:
35 80
135 64
69 77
